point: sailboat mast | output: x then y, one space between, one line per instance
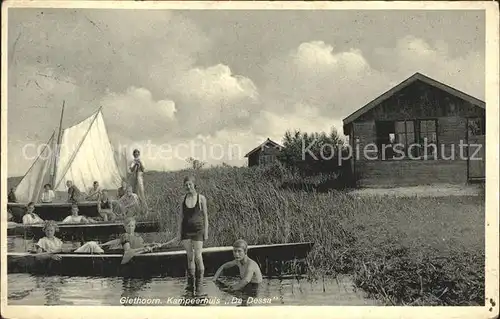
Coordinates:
57 150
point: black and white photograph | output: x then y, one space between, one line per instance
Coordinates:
225 154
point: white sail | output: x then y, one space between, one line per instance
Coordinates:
86 155
30 187
121 161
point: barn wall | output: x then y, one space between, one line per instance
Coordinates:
411 173
253 159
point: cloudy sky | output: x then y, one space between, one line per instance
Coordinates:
209 80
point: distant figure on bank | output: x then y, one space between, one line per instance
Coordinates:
250 274
48 194
137 178
74 218
193 230
30 217
94 192
128 204
105 206
73 192
11 197
122 189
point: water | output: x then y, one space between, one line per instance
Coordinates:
25 289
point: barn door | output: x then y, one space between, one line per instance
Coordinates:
476 148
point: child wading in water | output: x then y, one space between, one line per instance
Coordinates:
250 273
192 231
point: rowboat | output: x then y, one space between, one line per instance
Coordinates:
81 153
53 211
274 260
94 231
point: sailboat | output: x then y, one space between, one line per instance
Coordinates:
81 153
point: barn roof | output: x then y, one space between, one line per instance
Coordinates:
263 145
415 77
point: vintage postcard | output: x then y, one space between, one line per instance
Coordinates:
186 159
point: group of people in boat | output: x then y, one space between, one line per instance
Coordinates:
192 230
127 204
130 200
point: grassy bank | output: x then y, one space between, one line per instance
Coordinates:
402 250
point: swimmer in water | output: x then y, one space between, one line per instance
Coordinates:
250 274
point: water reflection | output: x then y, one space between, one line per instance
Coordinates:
131 288
53 289
25 289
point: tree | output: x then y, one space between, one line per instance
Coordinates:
311 153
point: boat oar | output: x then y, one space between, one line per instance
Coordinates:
129 254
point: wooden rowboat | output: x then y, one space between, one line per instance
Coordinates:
274 260
94 231
52 211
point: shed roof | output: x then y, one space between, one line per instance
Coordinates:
263 145
412 79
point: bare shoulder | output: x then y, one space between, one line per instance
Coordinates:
203 198
253 264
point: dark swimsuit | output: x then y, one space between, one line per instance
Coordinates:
192 222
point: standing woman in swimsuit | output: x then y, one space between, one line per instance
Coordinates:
193 230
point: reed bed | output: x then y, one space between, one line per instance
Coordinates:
404 251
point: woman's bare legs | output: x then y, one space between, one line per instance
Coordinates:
188 246
200 267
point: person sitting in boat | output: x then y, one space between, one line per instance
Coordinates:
129 204
94 192
250 274
122 189
74 218
73 192
105 206
129 240
11 197
51 244
30 217
48 194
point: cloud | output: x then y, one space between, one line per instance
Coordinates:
154 87
313 87
412 55
136 114
213 98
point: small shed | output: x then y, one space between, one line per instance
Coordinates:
419 132
265 153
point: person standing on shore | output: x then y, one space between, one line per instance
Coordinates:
193 231
137 178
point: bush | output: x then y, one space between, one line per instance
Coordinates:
402 250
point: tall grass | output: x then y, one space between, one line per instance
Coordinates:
401 250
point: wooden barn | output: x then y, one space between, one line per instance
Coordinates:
263 154
420 132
